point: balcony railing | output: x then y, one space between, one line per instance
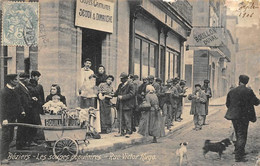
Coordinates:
184 8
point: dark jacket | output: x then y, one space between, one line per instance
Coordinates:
128 96
62 98
10 105
25 98
208 93
240 103
141 93
36 90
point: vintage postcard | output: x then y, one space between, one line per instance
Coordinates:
130 82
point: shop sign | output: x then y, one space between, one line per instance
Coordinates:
95 14
207 36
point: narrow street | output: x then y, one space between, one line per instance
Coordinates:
163 153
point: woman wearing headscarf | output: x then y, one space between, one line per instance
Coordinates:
151 120
105 94
101 75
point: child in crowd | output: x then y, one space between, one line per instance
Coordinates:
54 106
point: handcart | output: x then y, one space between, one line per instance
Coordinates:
63 134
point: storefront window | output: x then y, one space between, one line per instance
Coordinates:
167 76
145 58
145 54
171 65
137 57
177 65
152 60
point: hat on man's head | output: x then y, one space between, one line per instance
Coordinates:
174 81
123 75
158 80
177 78
206 81
244 79
10 77
136 76
150 77
169 81
35 73
24 75
182 83
197 85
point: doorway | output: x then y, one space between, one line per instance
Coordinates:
92 47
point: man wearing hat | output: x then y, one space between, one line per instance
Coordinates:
37 93
240 103
166 103
174 98
154 84
181 90
207 90
24 136
125 94
136 114
10 110
198 99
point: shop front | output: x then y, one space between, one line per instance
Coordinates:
158 39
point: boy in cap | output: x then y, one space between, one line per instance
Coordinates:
125 94
240 103
10 109
198 99
207 90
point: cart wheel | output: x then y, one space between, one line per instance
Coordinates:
65 149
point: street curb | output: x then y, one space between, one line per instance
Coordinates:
129 142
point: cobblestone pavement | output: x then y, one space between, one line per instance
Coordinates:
163 153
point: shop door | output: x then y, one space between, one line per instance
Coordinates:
92 47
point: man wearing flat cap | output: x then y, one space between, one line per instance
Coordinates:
125 94
207 90
10 110
198 99
154 84
240 103
24 136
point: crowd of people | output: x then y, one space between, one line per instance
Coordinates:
149 104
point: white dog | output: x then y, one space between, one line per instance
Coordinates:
258 161
181 152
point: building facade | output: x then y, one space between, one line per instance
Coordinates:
146 38
209 46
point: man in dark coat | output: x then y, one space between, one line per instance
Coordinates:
240 103
125 94
37 93
24 136
207 90
152 82
10 109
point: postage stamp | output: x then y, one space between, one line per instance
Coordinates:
20 23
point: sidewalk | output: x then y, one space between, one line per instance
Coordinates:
109 142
